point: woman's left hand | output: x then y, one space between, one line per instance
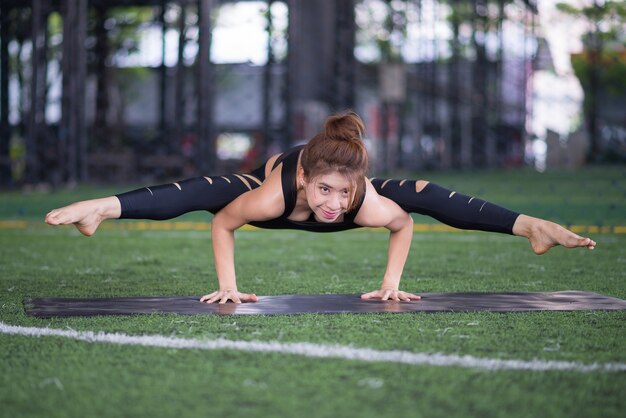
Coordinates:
390 294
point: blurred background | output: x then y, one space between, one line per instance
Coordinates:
121 91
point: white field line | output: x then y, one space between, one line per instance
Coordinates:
315 350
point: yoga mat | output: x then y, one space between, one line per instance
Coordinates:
569 300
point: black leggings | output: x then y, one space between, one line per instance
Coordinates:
168 201
447 206
213 193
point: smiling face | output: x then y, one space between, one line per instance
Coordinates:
328 195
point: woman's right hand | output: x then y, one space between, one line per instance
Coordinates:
224 296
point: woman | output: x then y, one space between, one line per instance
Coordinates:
320 187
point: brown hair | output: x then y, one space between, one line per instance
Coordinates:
339 148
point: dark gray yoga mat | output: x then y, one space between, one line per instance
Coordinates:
569 300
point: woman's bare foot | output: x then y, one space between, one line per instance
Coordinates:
544 235
86 215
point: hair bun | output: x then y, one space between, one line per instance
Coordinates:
348 126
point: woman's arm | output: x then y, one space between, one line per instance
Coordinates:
400 237
263 203
378 211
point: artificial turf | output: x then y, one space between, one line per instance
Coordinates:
51 376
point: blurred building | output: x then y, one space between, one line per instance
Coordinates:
121 90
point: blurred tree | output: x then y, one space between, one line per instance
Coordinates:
602 64
113 33
382 29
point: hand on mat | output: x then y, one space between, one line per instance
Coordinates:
224 296
390 294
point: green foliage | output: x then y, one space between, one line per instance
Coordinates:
387 31
611 71
595 12
122 24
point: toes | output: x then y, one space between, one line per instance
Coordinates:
51 219
588 242
56 217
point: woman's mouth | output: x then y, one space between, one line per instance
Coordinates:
329 215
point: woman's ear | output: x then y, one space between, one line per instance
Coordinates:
300 177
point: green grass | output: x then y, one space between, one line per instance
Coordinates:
58 377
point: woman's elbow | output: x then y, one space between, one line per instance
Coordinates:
402 222
218 219
408 222
223 222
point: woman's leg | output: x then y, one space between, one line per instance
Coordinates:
447 206
157 202
169 201
465 212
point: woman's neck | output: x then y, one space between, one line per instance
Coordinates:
301 211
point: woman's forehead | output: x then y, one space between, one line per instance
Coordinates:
335 180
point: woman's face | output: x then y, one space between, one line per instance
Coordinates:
328 196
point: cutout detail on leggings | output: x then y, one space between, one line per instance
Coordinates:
402 182
244 181
177 185
451 194
227 179
385 183
150 191
251 177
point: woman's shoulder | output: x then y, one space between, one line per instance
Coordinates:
277 159
271 191
270 164
262 203
376 210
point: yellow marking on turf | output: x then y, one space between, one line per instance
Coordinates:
206 226
598 229
13 224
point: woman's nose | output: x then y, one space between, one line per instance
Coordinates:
334 203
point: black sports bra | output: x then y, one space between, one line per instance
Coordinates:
289 159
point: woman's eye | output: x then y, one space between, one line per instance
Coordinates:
324 189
